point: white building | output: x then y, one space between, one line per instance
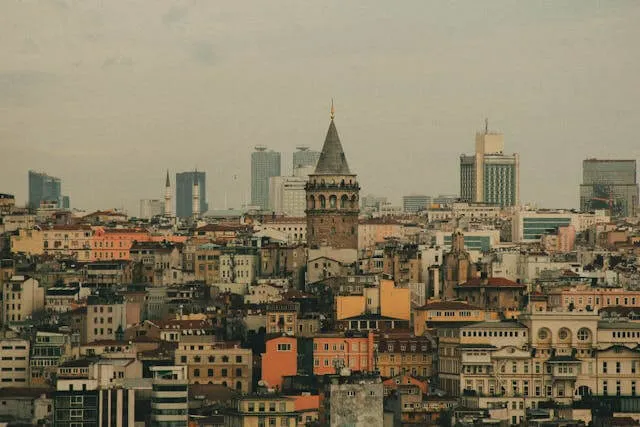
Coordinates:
22 296
287 195
151 207
238 268
530 226
169 396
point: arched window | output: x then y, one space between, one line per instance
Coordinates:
584 334
354 202
312 202
333 201
344 200
323 202
238 386
342 183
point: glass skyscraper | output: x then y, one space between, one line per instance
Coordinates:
184 193
264 164
45 188
305 157
611 185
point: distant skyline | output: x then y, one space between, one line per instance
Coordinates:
108 95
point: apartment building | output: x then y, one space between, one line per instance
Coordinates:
331 352
263 410
14 366
106 317
22 296
404 354
215 362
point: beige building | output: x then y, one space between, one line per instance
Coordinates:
28 241
14 366
239 266
106 318
68 240
263 410
21 296
215 362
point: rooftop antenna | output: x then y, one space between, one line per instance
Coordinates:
333 110
486 125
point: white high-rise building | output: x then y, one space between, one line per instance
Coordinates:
151 207
287 195
196 200
169 396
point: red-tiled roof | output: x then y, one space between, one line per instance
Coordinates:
492 282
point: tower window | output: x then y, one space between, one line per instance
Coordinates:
333 201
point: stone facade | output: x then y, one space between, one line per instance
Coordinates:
333 201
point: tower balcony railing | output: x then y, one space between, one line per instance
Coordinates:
340 186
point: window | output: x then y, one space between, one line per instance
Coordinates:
605 388
196 372
224 372
604 367
284 347
618 367
209 372
238 359
583 334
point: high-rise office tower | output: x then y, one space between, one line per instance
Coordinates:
45 188
264 164
305 158
611 185
184 193
333 198
489 175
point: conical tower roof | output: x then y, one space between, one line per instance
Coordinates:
168 183
332 159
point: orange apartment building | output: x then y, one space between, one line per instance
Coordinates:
114 243
279 359
355 352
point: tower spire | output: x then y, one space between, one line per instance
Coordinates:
332 112
167 183
486 125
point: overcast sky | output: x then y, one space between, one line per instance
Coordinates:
108 94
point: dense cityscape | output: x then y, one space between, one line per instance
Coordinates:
314 305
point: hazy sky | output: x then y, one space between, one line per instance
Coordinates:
108 94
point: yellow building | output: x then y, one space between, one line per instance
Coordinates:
28 241
386 300
445 311
266 410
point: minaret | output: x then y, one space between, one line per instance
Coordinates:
196 197
168 211
333 198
